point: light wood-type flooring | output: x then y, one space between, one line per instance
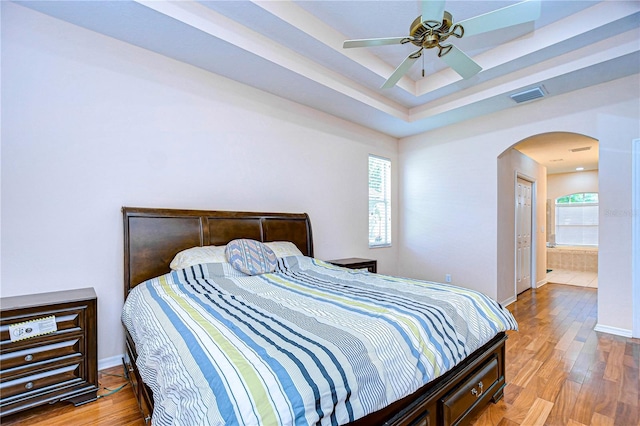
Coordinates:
559 372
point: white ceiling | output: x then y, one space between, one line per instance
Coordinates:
562 152
293 49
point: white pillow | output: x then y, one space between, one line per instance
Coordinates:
198 255
284 248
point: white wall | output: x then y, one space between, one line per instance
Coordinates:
561 184
447 208
511 165
449 172
91 124
636 237
615 310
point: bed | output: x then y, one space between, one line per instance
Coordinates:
298 297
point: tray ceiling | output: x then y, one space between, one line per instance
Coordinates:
293 49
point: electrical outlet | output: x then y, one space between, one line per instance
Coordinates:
447 278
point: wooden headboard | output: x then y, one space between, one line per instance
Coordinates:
152 237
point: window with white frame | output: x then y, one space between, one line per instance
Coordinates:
577 219
379 201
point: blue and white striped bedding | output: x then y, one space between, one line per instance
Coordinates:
311 343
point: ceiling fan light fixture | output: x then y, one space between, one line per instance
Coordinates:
435 25
419 28
528 95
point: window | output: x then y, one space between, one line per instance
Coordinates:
379 201
577 219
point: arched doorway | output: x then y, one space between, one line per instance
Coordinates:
539 159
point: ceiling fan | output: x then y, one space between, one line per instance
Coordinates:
435 26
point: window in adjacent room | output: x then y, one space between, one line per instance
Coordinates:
379 201
577 219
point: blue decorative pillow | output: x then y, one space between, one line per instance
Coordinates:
251 257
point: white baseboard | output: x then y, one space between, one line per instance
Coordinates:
541 283
110 362
613 330
509 301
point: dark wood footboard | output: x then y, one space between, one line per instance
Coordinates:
455 397
452 399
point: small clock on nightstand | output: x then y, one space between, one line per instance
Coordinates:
370 265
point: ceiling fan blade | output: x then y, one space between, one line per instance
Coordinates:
401 70
432 12
515 14
461 63
371 42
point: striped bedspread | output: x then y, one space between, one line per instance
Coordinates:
311 343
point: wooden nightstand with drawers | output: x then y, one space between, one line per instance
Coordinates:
356 263
60 365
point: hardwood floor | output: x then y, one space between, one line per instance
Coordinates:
113 407
559 372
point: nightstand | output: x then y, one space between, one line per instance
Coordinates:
356 263
61 365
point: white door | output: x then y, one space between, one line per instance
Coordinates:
523 235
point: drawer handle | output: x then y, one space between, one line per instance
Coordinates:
28 385
28 358
475 392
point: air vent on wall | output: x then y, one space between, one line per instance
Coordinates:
528 95
584 148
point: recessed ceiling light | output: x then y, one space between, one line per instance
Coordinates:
579 169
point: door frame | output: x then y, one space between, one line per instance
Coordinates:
635 245
534 228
